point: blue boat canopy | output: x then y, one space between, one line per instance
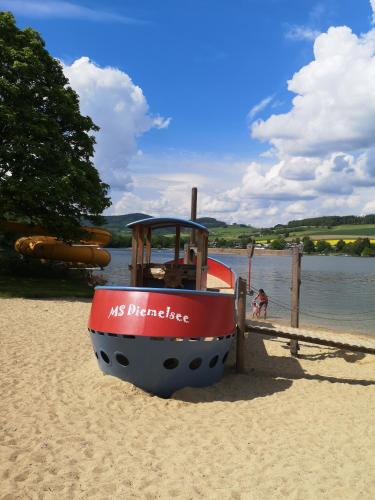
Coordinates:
158 222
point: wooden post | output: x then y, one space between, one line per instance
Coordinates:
140 256
241 326
204 237
198 274
250 253
148 246
193 216
295 292
177 245
133 280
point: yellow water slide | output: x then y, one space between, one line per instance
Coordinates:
39 244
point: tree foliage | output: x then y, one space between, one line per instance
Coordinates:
323 246
340 246
308 245
329 221
278 244
46 173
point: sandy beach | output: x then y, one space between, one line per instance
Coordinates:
288 428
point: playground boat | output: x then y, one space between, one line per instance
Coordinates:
173 327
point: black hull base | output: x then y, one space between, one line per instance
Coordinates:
161 366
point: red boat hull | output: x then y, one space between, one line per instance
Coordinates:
162 313
194 331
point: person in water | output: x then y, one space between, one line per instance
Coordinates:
263 301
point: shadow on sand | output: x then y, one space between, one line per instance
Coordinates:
266 374
234 387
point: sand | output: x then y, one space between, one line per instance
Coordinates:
288 428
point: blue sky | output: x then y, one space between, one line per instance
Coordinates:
207 70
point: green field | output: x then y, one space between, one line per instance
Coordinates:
348 230
235 233
230 232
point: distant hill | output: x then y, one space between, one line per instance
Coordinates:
329 220
117 223
211 222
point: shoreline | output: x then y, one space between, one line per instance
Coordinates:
243 251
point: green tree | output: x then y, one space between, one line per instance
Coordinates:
308 245
340 246
349 248
368 252
222 243
120 240
244 240
323 246
46 173
360 244
278 244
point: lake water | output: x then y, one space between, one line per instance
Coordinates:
336 291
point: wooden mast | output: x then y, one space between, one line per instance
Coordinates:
148 245
177 244
193 216
133 267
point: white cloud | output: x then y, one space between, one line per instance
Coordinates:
372 3
322 156
321 160
325 145
259 107
160 122
162 185
265 195
369 208
120 109
298 33
296 209
63 10
334 109
170 201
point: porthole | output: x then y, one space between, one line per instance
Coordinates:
213 361
121 359
195 364
105 357
225 357
96 354
171 363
